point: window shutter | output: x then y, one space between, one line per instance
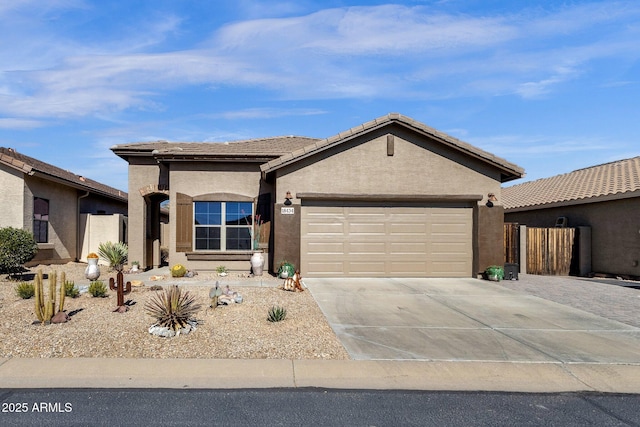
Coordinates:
184 223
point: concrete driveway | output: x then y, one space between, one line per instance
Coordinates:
466 320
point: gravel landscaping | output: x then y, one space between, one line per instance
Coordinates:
237 331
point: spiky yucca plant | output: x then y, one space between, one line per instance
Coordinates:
115 253
172 308
276 314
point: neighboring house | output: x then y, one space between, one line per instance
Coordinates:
55 205
391 197
604 197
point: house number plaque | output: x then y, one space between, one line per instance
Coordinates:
287 211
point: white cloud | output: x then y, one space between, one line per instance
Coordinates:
266 113
388 51
539 145
12 123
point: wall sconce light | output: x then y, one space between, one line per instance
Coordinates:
492 198
287 198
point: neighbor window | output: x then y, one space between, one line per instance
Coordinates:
41 220
223 226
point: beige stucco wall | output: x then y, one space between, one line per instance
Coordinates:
97 229
143 172
63 219
197 179
366 168
11 197
418 166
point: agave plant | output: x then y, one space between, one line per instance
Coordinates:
276 314
172 308
115 253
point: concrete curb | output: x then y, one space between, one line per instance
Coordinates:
336 374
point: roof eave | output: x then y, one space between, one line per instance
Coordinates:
575 202
123 197
511 171
16 164
244 158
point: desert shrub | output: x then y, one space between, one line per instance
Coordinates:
172 308
178 270
276 314
70 289
25 290
495 271
287 268
97 288
115 253
17 247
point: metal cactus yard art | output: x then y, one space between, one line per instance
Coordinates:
122 289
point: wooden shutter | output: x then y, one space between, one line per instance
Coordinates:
184 223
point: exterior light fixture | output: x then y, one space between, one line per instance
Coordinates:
287 198
492 198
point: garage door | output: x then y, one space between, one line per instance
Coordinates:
386 241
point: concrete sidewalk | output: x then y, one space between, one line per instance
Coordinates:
350 374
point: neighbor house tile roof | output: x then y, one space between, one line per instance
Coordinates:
31 166
259 148
615 180
510 171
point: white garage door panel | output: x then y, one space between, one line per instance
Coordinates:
383 241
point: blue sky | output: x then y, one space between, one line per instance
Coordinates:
552 86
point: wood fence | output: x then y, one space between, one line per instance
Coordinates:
512 243
550 250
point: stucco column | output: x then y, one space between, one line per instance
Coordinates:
286 235
489 237
523 249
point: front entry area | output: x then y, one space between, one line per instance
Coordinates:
380 241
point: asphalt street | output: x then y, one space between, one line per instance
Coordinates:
317 407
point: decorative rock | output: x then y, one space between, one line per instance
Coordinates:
165 332
60 317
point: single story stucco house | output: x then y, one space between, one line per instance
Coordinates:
391 197
64 211
604 197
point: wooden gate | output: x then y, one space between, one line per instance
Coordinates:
550 250
511 243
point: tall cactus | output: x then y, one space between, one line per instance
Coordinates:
46 305
121 289
63 291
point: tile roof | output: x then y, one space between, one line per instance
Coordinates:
260 148
619 179
510 171
31 166
278 151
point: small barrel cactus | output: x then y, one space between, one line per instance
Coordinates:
178 270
